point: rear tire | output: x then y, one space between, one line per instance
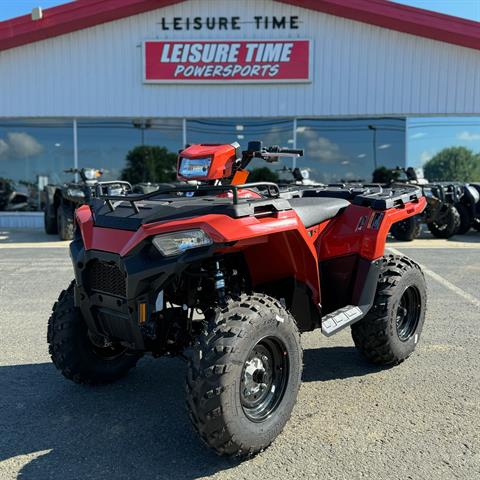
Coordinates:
74 354
390 331
406 230
466 218
65 223
447 222
244 376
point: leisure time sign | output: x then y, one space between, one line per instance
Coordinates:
212 61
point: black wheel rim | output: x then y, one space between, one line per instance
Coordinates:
443 219
264 379
404 226
408 313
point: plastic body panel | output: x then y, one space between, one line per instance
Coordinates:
223 158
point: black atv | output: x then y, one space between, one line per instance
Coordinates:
453 208
15 198
476 219
442 215
62 200
468 206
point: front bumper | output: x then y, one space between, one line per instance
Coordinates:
109 289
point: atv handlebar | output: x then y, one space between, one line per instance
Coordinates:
288 151
269 154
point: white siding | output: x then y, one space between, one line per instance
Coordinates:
357 70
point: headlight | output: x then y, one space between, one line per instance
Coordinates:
91 173
174 243
75 192
194 167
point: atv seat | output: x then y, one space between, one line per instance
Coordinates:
315 210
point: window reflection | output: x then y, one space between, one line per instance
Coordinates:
243 130
105 143
349 149
33 150
32 153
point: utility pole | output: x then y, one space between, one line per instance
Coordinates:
374 129
142 125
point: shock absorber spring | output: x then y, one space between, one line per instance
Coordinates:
219 279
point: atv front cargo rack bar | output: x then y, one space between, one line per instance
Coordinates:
272 190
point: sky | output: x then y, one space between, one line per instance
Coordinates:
460 8
425 137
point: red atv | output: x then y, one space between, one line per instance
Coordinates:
226 275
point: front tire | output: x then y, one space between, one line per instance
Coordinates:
244 376
466 218
73 352
390 331
446 223
406 230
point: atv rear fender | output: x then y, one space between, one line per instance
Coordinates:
363 231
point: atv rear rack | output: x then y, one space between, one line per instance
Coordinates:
271 188
373 195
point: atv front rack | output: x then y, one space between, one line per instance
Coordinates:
271 189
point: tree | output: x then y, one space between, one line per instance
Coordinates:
453 164
150 164
262 174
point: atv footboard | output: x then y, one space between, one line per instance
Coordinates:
348 287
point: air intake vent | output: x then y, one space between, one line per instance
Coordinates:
106 278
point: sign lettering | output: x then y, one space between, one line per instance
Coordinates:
227 61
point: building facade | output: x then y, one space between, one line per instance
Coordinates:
89 80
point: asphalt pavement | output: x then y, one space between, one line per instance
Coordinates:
420 420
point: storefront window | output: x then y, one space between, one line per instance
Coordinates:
105 143
242 130
34 152
337 150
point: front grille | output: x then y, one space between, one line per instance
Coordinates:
106 278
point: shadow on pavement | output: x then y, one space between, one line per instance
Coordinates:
136 428
323 364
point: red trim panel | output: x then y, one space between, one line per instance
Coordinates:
70 17
88 13
402 18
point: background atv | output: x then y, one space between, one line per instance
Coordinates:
15 198
447 204
476 220
62 200
227 274
467 204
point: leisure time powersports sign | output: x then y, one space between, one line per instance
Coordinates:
212 61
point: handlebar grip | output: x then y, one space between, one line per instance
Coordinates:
294 151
